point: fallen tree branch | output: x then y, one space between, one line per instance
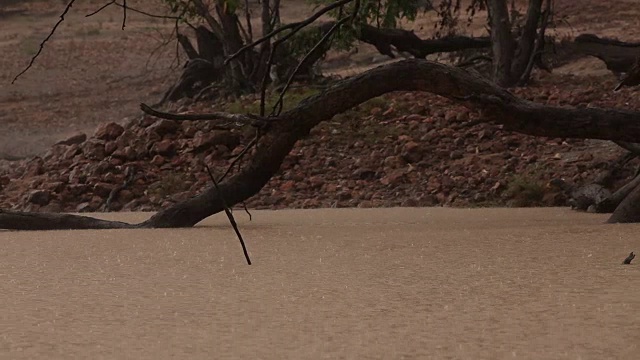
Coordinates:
496 104
18 220
240 119
617 55
408 41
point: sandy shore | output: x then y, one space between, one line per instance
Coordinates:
337 284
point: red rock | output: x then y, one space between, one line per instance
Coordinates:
103 189
126 138
364 174
130 153
84 207
110 147
73 140
52 207
316 181
34 167
414 117
162 127
412 153
394 162
456 154
164 147
77 189
330 188
93 149
158 160
55 187
393 179
39 197
108 131
125 196
72 151
147 120
190 131
288 185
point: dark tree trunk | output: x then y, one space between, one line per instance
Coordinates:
408 41
210 47
526 43
503 45
513 60
497 105
187 47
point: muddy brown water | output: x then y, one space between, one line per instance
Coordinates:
428 283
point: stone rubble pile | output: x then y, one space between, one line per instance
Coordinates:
410 150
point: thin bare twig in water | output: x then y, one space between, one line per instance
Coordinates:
229 215
53 30
244 204
627 261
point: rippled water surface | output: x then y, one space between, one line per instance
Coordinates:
428 283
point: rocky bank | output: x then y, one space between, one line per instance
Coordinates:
404 149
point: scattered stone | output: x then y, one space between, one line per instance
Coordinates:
73 140
93 149
436 156
158 160
165 148
108 131
39 197
162 127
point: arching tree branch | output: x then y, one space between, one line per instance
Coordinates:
497 105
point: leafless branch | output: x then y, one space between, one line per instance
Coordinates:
232 220
295 26
124 13
277 107
127 7
53 30
101 8
241 119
